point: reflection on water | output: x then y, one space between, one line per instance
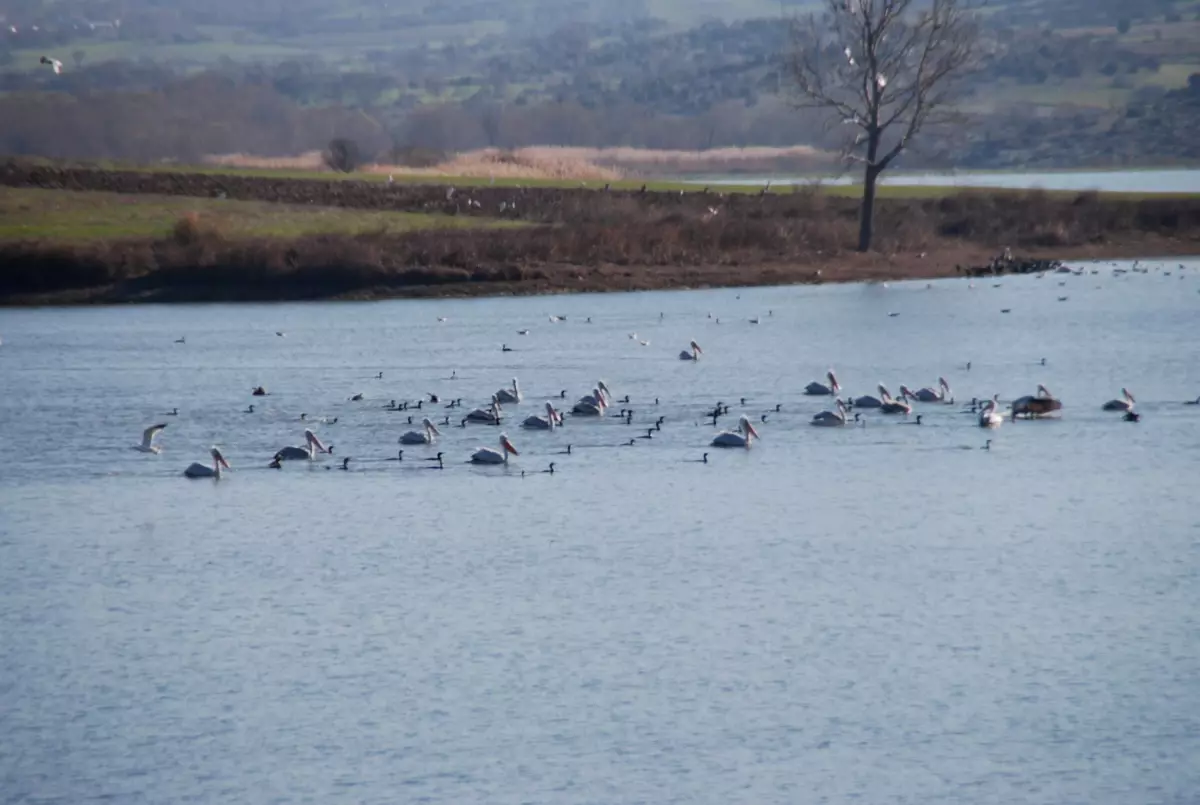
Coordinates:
1182 180
886 613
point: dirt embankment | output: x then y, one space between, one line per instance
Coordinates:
586 240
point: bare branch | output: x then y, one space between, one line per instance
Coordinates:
884 69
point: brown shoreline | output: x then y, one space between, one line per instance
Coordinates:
563 279
576 240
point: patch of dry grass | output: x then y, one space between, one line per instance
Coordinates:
565 163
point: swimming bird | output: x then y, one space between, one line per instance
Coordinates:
917 422
249 409
1037 405
1132 416
312 446
928 395
815 389
172 412
893 406
742 437
198 470
1124 404
148 436
259 391
487 416
488 455
426 435
549 470
867 401
1192 402
591 405
693 355
505 348
831 419
547 422
990 417
181 340
987 445
509 395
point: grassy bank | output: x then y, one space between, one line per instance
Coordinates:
75 236
483 180
66 216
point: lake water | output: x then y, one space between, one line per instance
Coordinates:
1180 180
880 614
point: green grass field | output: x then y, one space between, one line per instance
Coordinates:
71 216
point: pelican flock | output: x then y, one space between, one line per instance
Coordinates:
658 421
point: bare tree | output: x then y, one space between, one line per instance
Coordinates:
883 70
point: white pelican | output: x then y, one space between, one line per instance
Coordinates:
928 395
1125 404
591 405
1038 405
488 455
831 419
424 436
198 470
694 355
148 435
547 422
512 395
312 446
868 401
739 438
989 417
489 415
815 389
894 406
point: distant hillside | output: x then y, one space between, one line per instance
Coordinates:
432 77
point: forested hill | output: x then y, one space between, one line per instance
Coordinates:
1066 82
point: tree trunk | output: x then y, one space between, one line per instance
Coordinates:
866 216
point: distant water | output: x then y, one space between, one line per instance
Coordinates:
1143 181
888 614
